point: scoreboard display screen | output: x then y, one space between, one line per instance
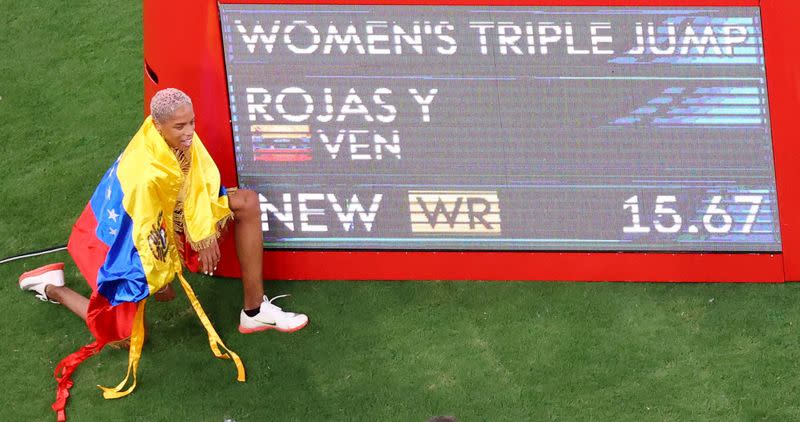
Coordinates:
503 128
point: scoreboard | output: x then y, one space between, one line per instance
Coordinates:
521 128
590 140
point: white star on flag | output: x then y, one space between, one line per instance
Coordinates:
112 214
108 193
112 232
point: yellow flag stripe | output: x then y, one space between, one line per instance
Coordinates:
213 338
134 354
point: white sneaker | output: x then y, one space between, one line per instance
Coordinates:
271 317
37 280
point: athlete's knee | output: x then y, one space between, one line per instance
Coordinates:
244 204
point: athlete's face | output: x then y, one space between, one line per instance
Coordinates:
178 129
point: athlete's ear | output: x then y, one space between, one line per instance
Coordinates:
158 127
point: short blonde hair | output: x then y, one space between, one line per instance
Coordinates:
166 101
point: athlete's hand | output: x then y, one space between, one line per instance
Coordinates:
209 258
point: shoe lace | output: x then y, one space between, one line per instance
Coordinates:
276 297
277 308
44 298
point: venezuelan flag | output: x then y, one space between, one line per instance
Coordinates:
102 247
124 245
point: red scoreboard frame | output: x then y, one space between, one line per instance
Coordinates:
183 49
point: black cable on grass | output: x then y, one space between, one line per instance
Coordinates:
34 253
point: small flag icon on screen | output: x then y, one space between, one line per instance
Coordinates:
281 143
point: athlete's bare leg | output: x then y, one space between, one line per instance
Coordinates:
247 221
79 305
71 299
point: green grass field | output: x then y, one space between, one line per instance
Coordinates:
71 97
